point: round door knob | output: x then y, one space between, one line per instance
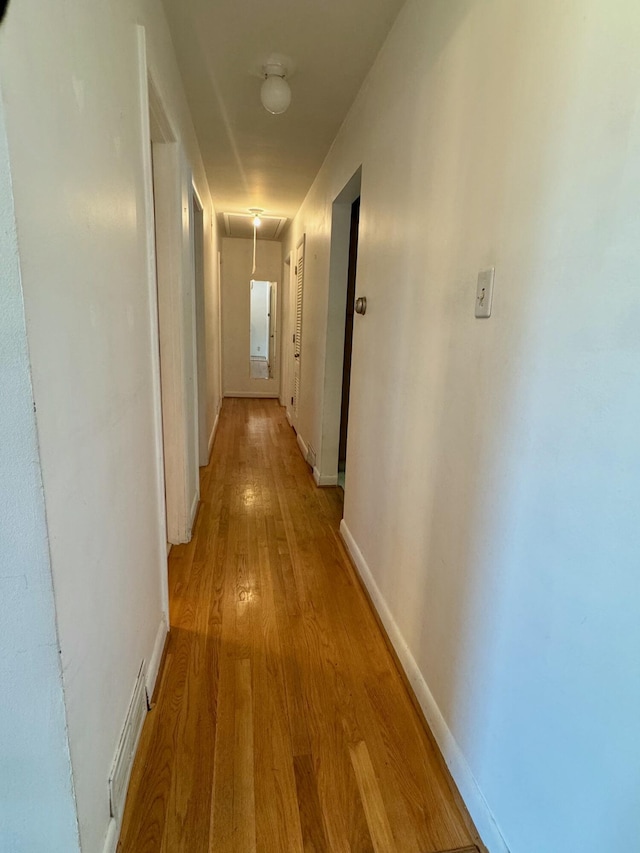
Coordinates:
361 305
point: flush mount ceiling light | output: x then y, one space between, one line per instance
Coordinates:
275 93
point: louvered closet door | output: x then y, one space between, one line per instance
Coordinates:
297 337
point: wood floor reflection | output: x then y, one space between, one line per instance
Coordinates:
281 723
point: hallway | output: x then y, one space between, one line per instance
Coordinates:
281 723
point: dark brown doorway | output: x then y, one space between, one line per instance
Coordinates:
348 336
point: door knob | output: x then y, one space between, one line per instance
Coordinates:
361 305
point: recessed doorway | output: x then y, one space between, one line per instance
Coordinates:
262 329
348 340
338 390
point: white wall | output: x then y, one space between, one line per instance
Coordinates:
237 262
493 470
73 121
259 308
37 808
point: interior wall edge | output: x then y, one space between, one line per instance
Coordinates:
38 806
148 201
324 479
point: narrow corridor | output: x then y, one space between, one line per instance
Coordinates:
281 723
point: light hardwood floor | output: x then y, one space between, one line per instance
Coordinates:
281 723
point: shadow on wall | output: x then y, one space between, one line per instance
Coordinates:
484 373
473 388
199 50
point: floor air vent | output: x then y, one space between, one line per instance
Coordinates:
123 761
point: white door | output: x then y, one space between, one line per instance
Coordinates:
297 331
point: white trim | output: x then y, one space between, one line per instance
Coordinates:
193 512
336 303
113 836
286 342
189 288
200 327
463 777
325 479
296 302
113 829
264 395
158 437
171 182
125 754
302 445
212 437
287 413
197 195
156 657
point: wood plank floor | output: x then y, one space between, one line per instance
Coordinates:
281 723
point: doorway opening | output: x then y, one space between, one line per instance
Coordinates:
175 265
262 329
338 388
348 340
297 292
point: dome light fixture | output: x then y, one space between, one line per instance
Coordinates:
275 92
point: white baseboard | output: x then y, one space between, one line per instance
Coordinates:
212 437
111 841
302 445
267 395
289 418
156 656
113 828
325 479
192 514
463 777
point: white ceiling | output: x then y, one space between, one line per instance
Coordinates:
252 158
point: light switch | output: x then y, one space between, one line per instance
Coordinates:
484 292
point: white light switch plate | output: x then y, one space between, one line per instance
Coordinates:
484 292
